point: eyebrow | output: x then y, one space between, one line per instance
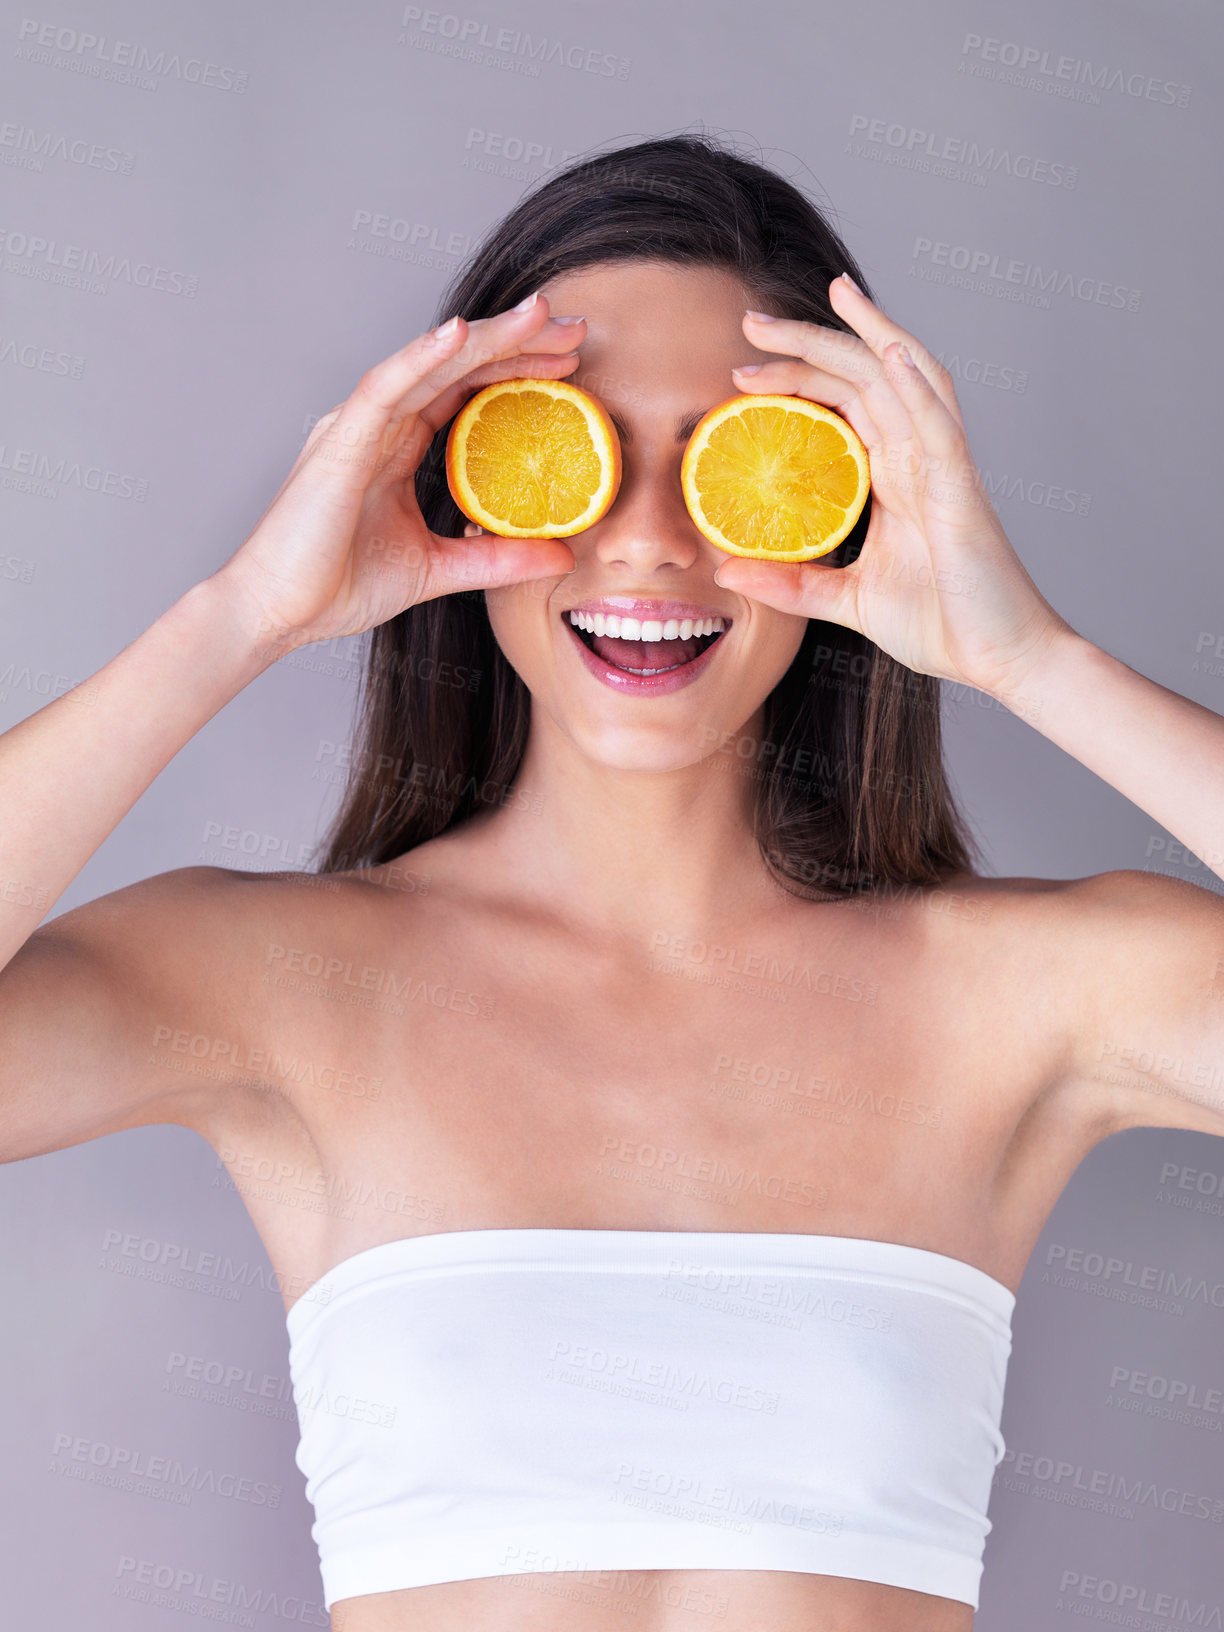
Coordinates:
684 427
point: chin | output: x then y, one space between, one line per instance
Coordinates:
622 746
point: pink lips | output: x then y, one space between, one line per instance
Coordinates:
655 609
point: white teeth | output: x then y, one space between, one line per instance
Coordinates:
597 623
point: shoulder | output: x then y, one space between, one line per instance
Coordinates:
1018 906
1123 894
136 1007
1132 923
1117 930
1133 977
227 918
1108 989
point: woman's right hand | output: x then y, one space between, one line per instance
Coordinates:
343 545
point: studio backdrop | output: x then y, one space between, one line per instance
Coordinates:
216 217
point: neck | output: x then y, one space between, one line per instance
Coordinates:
638 854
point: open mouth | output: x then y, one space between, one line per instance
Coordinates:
646 648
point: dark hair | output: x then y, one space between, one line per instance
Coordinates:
850 788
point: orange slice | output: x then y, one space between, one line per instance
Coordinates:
776 478
533 459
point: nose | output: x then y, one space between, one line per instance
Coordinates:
648 525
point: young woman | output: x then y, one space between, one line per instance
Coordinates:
722 1098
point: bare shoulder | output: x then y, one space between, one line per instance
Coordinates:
1021 908
141 1005
1127 968
1110 925
1124 891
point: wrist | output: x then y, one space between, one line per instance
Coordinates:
248 630
1059 666
236 628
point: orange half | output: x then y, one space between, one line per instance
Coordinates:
775 478
533 459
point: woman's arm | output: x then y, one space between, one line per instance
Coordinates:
342 547
71 771
310 570
939 587
1164 752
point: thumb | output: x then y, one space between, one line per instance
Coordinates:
806 589
483 560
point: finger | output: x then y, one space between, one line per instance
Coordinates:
526 365
492 355
414 375
787 376
843 355
807 589
486 561
948 463
880 332
490 340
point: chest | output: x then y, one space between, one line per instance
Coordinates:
861 1078
760 1082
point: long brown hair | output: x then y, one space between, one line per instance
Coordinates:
850 791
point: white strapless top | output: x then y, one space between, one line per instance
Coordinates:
499 1402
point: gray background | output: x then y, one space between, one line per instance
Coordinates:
248 178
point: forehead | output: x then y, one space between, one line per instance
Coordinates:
659 338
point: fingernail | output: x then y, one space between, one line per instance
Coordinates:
528 301
449 327
747 368
761 317
569 319
846 278
903 353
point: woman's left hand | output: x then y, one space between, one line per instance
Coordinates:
937 584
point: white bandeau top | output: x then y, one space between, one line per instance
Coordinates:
506 1401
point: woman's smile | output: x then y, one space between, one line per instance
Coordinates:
642 646
643 615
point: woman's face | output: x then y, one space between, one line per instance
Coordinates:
660 344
